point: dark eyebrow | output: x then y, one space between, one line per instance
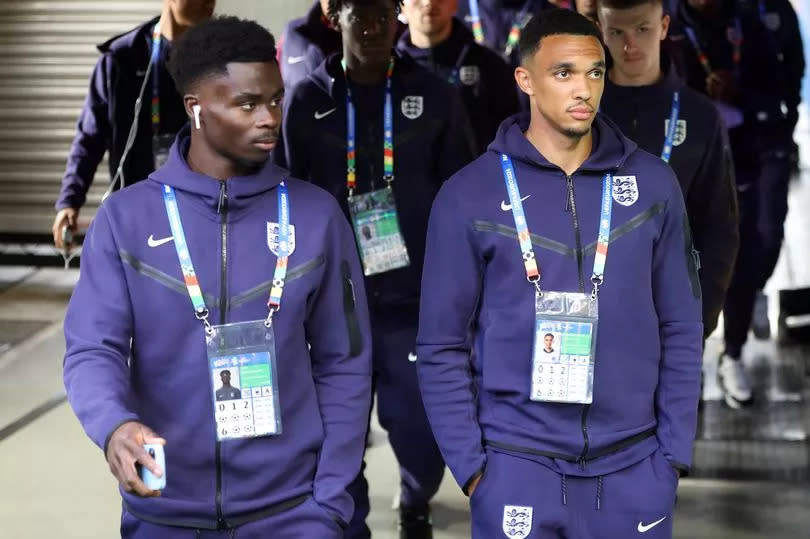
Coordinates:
600 63
561 65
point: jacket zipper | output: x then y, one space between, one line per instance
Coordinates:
571 206
349 309
222 210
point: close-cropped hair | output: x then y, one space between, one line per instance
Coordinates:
553 22
207 48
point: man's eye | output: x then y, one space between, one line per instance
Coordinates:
596 74
564 74
247 106
615 33
276 102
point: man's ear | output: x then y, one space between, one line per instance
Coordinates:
523 79
665 20
189 100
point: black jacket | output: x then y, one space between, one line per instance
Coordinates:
485 81
701 158
429 146
108 110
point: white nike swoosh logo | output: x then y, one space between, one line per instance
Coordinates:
644 529
295 59
412 357
319 115
508 207
152 242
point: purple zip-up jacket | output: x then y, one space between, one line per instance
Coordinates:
135 350
477 312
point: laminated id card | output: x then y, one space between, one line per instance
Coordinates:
564 347
242 367
376 226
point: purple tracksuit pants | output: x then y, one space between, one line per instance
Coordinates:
305 520
521 498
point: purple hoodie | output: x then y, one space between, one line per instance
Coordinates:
131 291
477 314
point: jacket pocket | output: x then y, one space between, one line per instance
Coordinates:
350 311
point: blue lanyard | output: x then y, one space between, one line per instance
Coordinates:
666 153
388 131
524 237
187 266
454 74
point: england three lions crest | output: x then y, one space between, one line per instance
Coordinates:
413 106
625 190
517 521
272 238
680 132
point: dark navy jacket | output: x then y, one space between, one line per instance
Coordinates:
135 350
486 82
497 18
477 315
428 149
780 19
701 159
304 45
106 117
762 83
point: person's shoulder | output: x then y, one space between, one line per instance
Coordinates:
123 43
700 109
651 171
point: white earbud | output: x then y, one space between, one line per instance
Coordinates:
196 110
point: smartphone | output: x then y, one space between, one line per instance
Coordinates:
149 479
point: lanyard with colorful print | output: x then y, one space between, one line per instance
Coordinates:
514 33
187 267
524 237
388 131
666 153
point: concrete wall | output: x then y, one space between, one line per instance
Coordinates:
273 14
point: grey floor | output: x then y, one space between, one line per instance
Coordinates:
751 467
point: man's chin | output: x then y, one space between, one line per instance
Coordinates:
577 132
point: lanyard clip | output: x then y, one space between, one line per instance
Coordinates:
535 280
203 317
272 309
597 281
388 179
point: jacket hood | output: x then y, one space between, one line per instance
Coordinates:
610 147
240 189
129 38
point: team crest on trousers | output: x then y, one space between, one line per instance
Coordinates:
625 190
469 75
680 132
272 238
413 106
517 521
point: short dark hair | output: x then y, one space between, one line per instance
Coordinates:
548 335
207 48
225 371
553 22
336 5
627 4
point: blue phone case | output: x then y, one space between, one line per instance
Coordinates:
149 479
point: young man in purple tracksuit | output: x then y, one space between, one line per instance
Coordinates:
173 292
589 442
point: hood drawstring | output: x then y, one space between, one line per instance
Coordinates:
564 489
232 535
599 493
197 533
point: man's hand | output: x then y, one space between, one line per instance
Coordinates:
126 449
474 484
65 217
720 84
